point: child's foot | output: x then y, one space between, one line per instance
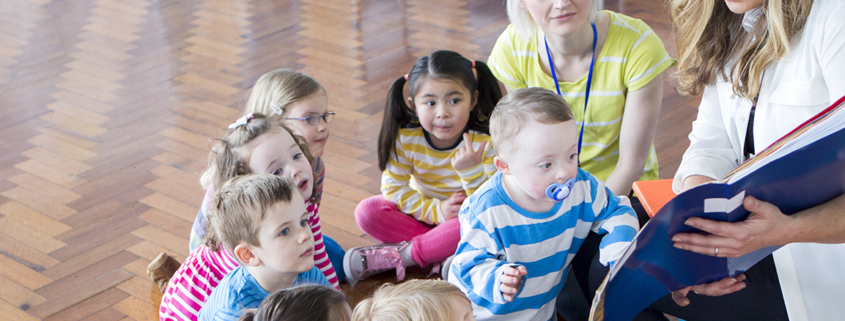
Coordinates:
362 262
161 269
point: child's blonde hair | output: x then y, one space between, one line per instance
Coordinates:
240 206
278 89
539 104
414 300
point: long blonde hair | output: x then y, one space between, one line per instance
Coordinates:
414 300
709 38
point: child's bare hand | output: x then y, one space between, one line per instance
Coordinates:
452 205
511 281
466 157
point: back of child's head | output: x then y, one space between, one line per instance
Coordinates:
303 302
229 156
414 300
241 204
278 89
441 64
518 107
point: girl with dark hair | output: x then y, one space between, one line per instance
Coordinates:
434 151
304 302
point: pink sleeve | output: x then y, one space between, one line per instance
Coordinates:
321 258
193 282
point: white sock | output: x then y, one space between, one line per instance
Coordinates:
407 258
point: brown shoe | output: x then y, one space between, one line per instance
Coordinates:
162 269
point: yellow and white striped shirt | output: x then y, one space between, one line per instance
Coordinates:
631 57
420 176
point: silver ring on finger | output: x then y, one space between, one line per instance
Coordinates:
716 252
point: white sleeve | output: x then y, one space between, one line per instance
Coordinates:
831 51
711 152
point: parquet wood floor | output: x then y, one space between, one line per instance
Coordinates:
108 107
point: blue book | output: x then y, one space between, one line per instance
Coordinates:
803 169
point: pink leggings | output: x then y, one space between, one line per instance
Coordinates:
382 220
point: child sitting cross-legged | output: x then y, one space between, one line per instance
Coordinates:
261 219
521 229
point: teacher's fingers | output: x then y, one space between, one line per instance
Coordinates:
706 244
680 296
724 286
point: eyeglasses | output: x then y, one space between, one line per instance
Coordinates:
314 119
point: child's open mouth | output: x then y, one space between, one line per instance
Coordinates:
302 184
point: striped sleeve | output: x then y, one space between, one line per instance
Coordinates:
321 257
193 282
616 218
395 186
477 268
503 60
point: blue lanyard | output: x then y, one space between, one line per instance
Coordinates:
589 82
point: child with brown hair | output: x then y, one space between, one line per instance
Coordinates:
260 219
303 302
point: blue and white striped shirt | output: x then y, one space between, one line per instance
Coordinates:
239 291
495 233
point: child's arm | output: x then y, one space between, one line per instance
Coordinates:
321 257
616 219
395 186
477 268
472 178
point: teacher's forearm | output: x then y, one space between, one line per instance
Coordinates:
824 223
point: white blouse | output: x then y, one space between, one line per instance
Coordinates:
812 276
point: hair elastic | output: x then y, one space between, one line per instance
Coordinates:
406 76
276 109
242 121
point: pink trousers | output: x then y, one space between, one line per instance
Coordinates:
382 220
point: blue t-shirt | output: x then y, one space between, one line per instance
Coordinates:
239 290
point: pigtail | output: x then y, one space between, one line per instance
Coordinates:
396 114
489 94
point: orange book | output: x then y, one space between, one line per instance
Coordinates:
654 194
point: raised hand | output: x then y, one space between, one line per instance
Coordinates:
466 157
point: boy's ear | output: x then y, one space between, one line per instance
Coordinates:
501 165
246 256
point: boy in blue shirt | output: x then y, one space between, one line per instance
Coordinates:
521 229
262 220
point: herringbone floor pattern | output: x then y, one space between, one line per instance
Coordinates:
108 107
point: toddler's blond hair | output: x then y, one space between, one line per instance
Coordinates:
512 112
414 300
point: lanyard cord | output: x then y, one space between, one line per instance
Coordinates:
748 148
589 83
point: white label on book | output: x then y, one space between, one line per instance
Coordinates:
723 205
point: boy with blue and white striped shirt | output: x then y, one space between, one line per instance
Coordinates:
517 236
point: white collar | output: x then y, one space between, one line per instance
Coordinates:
750 18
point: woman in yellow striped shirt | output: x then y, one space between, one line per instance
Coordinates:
433 154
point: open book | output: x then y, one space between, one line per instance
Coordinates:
802 169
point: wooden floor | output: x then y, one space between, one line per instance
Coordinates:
107 107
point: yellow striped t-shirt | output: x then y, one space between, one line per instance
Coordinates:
631 57
420 176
